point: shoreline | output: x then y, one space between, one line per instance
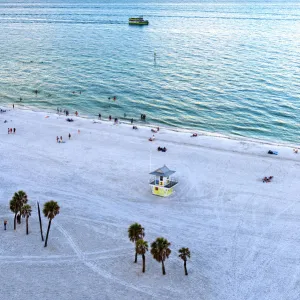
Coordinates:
172 129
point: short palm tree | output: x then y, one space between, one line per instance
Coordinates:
51 209
21 198
26 213
14 207
141 247
160 251
135 232
184 254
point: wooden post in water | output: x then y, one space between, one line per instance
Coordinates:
41 227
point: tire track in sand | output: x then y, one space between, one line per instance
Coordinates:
81 256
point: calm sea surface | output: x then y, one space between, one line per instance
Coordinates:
222 67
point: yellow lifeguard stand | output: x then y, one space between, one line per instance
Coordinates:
161 184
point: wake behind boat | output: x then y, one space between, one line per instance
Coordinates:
138 21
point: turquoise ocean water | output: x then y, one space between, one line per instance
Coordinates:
224 67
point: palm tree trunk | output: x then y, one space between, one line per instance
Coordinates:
163 267
26 225
144 263
135 257
185 270
41 227
15 222
48 232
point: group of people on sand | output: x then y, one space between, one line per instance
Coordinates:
66 112
267 179
60 139
11 130
2 110
162 149
115 119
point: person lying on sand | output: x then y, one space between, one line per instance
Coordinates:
152 138
295 151
134 127
155 130
69 120
194 135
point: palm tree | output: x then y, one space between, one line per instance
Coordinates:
135 232
160 251
14 207
21 198
141 247
51 209
26 213
184 254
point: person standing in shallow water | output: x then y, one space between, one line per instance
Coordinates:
13 106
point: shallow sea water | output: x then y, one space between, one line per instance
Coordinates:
223 67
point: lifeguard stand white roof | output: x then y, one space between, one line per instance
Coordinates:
163 171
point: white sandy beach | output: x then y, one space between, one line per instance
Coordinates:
243 234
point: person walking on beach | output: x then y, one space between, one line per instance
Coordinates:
99 117
13 106
61 139
109 117
8 130
69 136
76 113
57 139
14 130
5 223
